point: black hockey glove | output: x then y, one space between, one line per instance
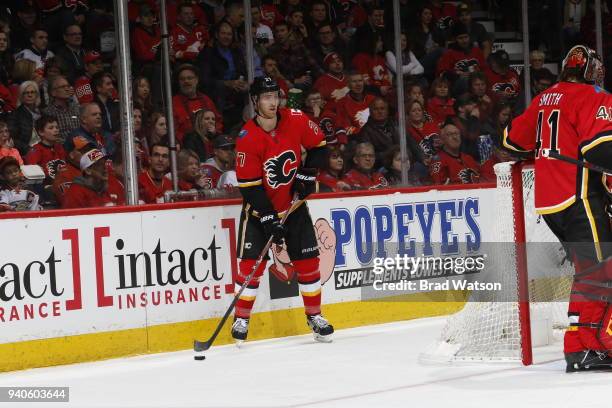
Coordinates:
305 182
273 228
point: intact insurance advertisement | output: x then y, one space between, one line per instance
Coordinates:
83 274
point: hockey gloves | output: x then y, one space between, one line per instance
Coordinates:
273 228
305 182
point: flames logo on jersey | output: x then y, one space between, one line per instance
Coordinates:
468 176
427 144
54 166
444 23
467 65
281 169
505 88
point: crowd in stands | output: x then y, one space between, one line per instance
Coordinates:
334 59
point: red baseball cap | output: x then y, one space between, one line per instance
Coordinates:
91 56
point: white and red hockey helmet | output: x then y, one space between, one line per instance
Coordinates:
585 63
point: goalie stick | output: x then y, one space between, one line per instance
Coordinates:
199 346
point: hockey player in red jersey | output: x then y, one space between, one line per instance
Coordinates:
269 171
573 118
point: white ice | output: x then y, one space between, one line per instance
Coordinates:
373 366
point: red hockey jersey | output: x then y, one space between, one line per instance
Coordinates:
457 61
371 181
272 158
50 158
331 181
185 110
503 86
79 196
331 87
425 137
568 118
439 108
188 42
145 43
83 90
150 191
374 69
449 169
351 115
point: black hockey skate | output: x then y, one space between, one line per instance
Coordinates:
321 329
240 329
589 360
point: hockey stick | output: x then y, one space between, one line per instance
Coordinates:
205 345
579 163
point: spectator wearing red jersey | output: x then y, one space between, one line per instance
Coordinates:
82 86
224 156
440 104
363 176
331 177
332 85
452 166
370 61
48 153
477 88
460 60
352 111
189 101
91 189
443 13
426 134
503 81
66 174
152 182
146 37
188 37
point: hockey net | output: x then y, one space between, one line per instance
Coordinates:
501 329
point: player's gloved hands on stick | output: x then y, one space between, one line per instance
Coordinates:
273 228
305 182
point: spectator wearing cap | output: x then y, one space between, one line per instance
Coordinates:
82 86
467 120
363 176
90 131
49 153
223 159
37 51
104 91
67 173
452 166
6 144
204 132
460 59
332 85
21 123
412 68
328 41
187 37
188 101
503 81
93 187
478 33
13 193
71 52
152 182
63 106
223 72
146 37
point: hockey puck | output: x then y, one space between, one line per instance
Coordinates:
199 358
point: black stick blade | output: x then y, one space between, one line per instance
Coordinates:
201 345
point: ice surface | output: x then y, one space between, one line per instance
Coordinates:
375 366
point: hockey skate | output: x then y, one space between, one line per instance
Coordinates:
240 329
589 360
321 329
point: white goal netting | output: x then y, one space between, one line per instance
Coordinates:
489 329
